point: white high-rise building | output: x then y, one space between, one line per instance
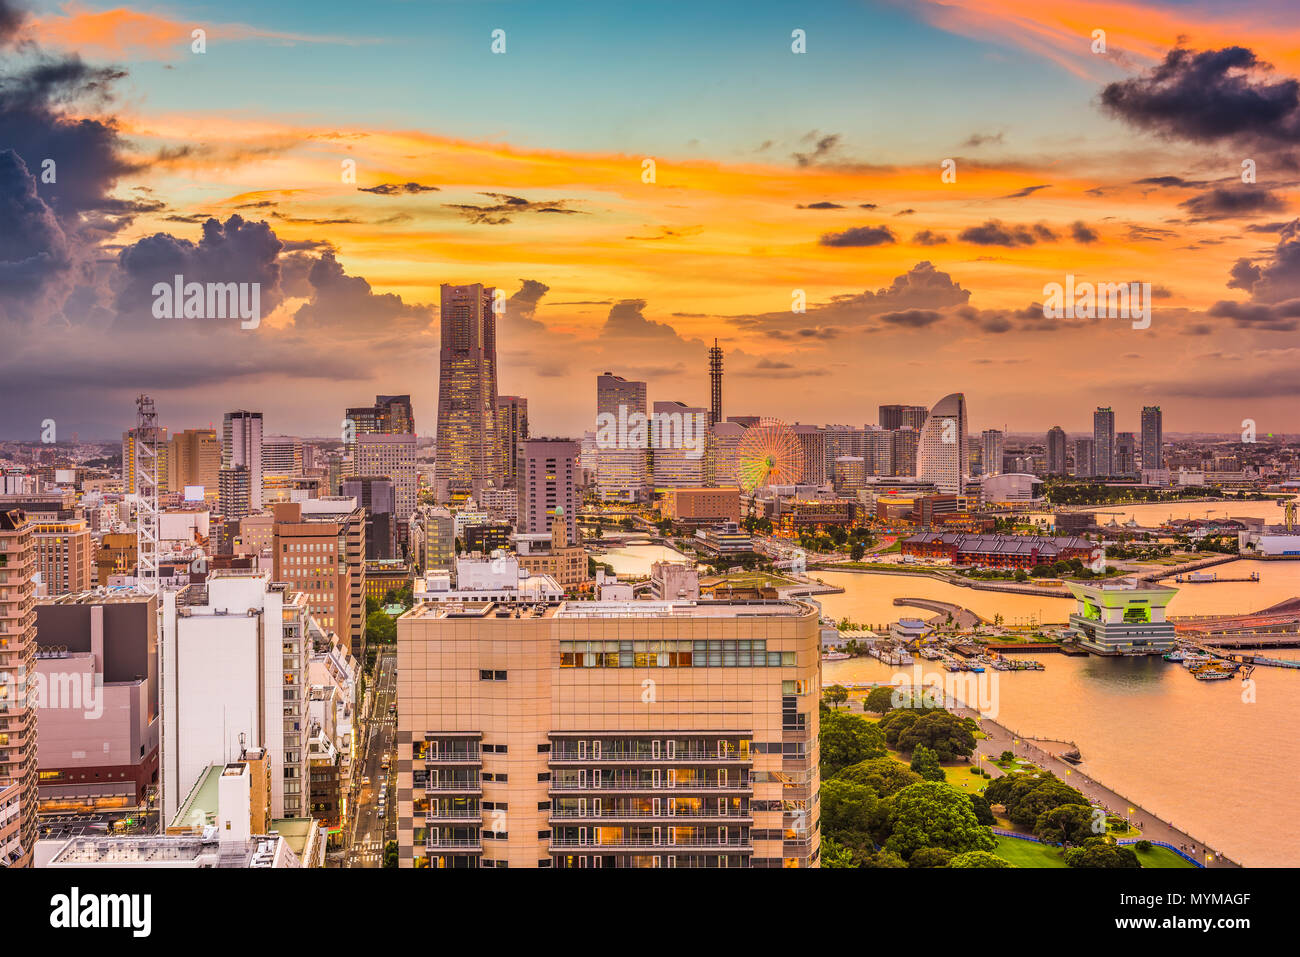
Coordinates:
678 437
991 444
241 444
620 451
234 675
282 455
941 451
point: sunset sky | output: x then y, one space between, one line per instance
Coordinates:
774 172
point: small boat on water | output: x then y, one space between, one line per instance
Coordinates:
1211 673
978 669
952 665
834 656
1175 655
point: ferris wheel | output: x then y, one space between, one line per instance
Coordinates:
769 453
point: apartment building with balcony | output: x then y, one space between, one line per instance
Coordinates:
608 734
18 757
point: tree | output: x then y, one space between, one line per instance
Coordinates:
978 859
390 854
880 700
885 776
1065 824
1101 855
1007 756
847 812
931 857
883 859
836 694
856 551
847 739
934 814
926 763
381 628
948 735
983 813
835 854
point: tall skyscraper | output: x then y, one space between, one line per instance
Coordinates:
991 446
941 454
620 465
512 428
18 691
241 444
1103 442
1056 451
678 438
722 466
234 492
547 487
1153 437
468 455
903 445
903 416
715 383
194 458
1085 465
812 440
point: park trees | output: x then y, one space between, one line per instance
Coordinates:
847 739
1100 854
949 736
880 700
925 762
1066 824
978 859
885 776
933 814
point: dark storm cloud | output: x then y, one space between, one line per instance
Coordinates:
341 301
1172 182
911 318
927 237
506 207
1232 202
995 233
1209 96
1082 232
627 319
859 236
33 246
1273 285
395 189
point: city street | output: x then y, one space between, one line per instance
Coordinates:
369 833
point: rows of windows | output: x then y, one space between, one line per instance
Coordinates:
672 654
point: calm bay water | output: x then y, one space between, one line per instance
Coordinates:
634 561
1189 751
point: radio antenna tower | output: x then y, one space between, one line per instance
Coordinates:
146 492
715 376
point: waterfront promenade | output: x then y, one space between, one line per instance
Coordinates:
1153 828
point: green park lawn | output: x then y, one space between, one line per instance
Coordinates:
1031 854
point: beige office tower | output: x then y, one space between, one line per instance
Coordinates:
392 456
622 438
608 734
18 704
722 463
468 455
194 458
65 555
512 429
130 438
319 547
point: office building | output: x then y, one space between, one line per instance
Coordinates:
547 491
193 461
235 495
512 429
678 440
941 453
1153 454
812 441
281 455
991 446
601 727
98 660
702 506
376 495
436 545
241 445
391 455
893 417
154 436
722 457
318 548
553 554
234 676
390 415
1103 443
1126 454
1056 451
903 444
65 555
1084 466
468 454
18 740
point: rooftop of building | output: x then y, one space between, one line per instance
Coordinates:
104 595
259 852
633 608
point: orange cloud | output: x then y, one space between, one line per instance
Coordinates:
1061 30
121 33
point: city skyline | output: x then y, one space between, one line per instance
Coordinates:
1110 166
